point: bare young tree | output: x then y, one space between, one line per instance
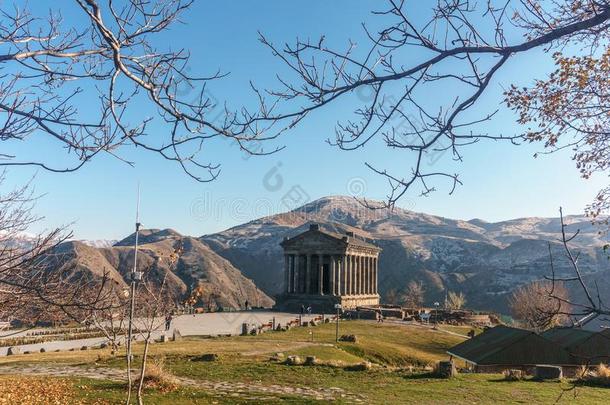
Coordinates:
452 47
413 295
581 311
109 58
154 302
533 305
28 289
456 300
111 319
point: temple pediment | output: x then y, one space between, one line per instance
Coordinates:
313 240
316 239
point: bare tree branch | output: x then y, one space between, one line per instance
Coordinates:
462 46
53 66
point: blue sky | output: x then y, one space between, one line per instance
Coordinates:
500 181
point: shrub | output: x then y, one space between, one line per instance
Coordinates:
597 376
157 377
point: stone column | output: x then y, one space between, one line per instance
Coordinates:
296 287
348 274
333 273
357 275
365 283
289 275
362 272
338 281
286 278
365 275
353 274
372 275
363 286
308 274
321 274
369 274
375 275
292 273
343 275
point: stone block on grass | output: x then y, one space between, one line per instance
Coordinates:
12 351
206 357
446 369
348 338
544 372
294 361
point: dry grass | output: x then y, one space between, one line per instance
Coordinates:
32 390
603 371
599 375
157 377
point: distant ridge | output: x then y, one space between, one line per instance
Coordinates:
485 260
197 266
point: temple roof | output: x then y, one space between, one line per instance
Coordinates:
349 239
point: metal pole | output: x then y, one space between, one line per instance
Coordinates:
134 277
337 327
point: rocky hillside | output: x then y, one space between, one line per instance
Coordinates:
197 266
484 260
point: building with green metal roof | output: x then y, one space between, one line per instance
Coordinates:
567 337
503 347
587 347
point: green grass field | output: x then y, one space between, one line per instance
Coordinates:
244 372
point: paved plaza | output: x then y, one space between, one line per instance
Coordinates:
208 324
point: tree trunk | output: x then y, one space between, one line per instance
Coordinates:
143 370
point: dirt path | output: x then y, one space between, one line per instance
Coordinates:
225 389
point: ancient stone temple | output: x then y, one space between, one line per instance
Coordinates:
324 268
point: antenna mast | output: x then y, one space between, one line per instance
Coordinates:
135 276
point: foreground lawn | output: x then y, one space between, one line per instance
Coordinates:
247 370
387 388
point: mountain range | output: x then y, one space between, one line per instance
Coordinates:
484 260
185 262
